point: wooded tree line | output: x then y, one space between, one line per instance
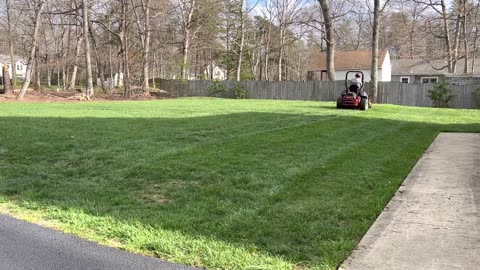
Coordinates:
130 43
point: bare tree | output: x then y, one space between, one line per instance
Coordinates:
476 34
377 10
242 39
39 5
465 13
144 35
187 9
125 47
440 7
411 15
54 35
329 38
73 79
86 40
286 13
267 28
96 56
331 11
11 24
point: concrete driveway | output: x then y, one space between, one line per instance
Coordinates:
433 222
27 246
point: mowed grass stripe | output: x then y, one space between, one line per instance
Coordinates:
165 136
230 190
333 204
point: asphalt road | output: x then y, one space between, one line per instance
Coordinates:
27 246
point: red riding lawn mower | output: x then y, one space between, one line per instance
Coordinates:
354 95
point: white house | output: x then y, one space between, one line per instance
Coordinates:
350 61
117 80
210 71
217 73
20 66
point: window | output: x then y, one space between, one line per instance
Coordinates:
19 67
429 79
405 79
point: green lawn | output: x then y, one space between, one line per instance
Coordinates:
221 184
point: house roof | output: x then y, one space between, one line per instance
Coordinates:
423 67
346 60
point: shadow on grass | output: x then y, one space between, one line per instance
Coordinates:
305 188
322 106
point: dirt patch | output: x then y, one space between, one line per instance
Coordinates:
155 198
155 194
158 193
73 96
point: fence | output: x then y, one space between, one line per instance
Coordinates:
388 92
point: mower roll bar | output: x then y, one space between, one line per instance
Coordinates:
356 72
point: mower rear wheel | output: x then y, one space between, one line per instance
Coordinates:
339 103
364 104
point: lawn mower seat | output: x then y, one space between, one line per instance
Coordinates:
354 88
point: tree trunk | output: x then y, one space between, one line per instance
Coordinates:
47 66
161 70
38 83
456 43
73 79
57 62
124 41
412 43
210 61
474 53
154 70
283 28
475 38
186 38
146 49
58 77
110 63
66 60
64 78
13 61
126 70
280 53
88 60
49 77
286 70
375 34
329 39
31 58
465 35
448 42
6 79
186 47
255 61
100 74
119 79
144 36
267 51
14 69
280 60
242 41
110 60
195 71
